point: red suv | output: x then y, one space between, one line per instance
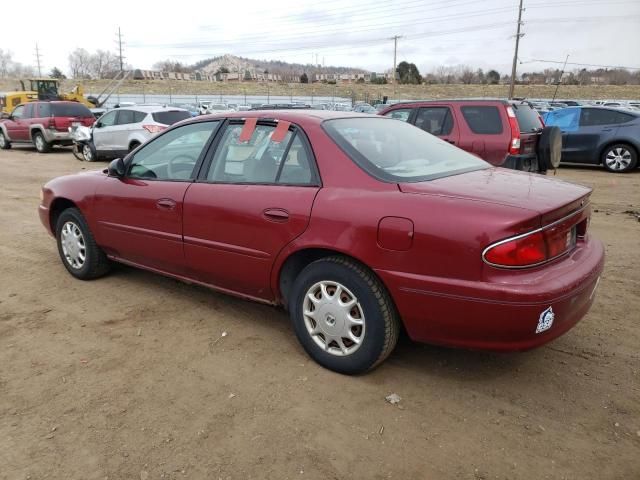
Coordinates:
43 123
504 133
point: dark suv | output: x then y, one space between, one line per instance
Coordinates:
43 123
504 133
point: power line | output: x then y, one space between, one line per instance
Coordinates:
580 64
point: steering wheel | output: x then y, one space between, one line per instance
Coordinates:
180 166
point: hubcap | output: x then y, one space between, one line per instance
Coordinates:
618 158
2 140
39 143
73 246
334 318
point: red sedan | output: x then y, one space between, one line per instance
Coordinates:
358 225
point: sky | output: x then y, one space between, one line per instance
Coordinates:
354 33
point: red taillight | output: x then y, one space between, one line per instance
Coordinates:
154 128
514 144
532 248
518 252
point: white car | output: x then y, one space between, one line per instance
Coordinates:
122 130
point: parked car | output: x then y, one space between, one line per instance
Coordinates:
219 108
43 124
122 130
364 108
599 136
505 134
357 224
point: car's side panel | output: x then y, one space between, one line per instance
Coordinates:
491 148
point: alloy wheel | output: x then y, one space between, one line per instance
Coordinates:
87 153
618 158
334 318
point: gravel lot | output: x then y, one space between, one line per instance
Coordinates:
131 377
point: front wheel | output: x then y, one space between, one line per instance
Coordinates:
4 143
89 153
620 158
343 316
77 248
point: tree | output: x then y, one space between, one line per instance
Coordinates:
247 75
222 70
6 61
480 78
80 63
57 73
104 64
408 73
466 75
493 77
304 78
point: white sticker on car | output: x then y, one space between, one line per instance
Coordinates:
546 320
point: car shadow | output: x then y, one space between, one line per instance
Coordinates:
598 168
421 359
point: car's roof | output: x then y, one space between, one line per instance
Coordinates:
150 108
290 115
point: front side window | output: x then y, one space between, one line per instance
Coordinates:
435 120
399 114
108 119
261 160
483 120
399 152
566 119
173 155
18 112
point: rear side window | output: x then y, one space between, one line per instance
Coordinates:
29 110
125 117
435 120
70 109
138 116
44 110
400 114
527 117
595 116
484 120
170 117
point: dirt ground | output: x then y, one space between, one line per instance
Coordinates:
131 377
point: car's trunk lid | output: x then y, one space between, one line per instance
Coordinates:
552 199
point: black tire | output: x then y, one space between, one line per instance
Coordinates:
96 263
381 322
89 153
549 148
41 144
77 152
5 144
619 158
133 146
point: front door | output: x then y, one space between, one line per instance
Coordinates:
251 201
103 134
139 216
17 127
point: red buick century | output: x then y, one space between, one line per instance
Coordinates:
358 225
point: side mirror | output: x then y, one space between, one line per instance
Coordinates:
116 168
98 125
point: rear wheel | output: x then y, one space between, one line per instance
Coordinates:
41 144
620 158
343 316
77 248
5 144
133 146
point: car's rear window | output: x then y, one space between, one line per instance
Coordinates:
398 152
170 117
70 109
484 120
528 119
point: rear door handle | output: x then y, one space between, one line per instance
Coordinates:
276 214
166 204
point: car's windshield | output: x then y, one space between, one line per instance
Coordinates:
395 151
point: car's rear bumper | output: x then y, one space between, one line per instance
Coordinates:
55 136
525 163
503 314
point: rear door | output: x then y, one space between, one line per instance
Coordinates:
252 199
139 217
598 126
438 120
121 129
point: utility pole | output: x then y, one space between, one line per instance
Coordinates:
395 53
38 55
515 55
560 79
120 50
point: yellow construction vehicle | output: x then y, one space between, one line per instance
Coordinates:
41 89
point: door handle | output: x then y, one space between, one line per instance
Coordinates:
276 214
166 204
